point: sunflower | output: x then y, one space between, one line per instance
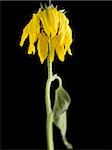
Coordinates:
49 30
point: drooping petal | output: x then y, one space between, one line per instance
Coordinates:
35 24
63 22
25 34
32 29
62 34
44 19
67 39
53 21
60 51
65 32
42 47
31 49
51 49
50 21
68 36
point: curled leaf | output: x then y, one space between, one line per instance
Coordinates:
61 104
62 101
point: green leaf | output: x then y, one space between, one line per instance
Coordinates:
62 101
61 104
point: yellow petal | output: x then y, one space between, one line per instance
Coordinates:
51 49
64 31
62 34
60 49
63 22
32 29
25 34
42 47
53 21
44 19
50 21
35 24
67 38
31 49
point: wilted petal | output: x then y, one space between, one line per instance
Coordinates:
67 39
35 24
32 29
63 22
51 49
25 34
64 33
53 21
44 19
60 51
42 47
31 49
50 21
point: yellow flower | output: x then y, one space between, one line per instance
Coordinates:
50 30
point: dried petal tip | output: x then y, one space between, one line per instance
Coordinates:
62 11
41 6
69 52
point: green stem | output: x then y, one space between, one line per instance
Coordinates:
49 120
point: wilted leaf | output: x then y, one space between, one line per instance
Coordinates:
61 104
62 101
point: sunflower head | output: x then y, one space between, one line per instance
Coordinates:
50 29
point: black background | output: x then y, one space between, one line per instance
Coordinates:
86 76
